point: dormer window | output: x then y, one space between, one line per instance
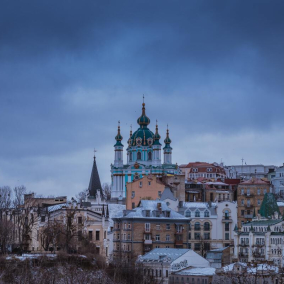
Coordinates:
187 213
167 213
197 213
147 213
206 213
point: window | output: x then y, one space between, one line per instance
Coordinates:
248 202
197 236
258 191
197 226
227 215
158 227
138 155
206 226
227 226
147 227
187 213
248 191
189 236
79 220
197 246
42 219
167 238
147 213
149 183
133 205
128 237
90 235
130 156
197 213
265 191
97 235
149 156
206 213
159 193
242 202
158 238
242 191
242 212
133 194
211 196
206 236
227 236
140 184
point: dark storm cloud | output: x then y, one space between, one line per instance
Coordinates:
69 70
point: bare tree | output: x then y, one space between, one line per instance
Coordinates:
82 195
19 192
6 233
106 190
5 197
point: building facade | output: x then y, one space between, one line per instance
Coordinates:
150 225
250 196
212 224
262 239
144 156
166 265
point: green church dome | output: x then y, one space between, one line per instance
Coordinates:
142 137
143 120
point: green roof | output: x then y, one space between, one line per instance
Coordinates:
269 206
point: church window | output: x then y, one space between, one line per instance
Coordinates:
138 155
149 156
130 156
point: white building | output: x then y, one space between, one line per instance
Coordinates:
248 171
278 181
212 224
161 263
263 238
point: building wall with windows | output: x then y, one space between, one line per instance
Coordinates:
148 187
250 196
211 226
151 225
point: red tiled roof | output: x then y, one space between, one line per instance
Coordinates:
255 181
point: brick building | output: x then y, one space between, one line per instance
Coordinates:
250 196
151 225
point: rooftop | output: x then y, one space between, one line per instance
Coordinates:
202 271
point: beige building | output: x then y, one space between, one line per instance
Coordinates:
250 196
149 187
151 225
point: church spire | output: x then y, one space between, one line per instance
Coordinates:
143 120
157 136
95 183
168 141
118 137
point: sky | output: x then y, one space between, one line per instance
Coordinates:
69 70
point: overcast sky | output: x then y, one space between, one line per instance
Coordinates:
69 70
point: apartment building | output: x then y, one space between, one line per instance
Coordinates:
150 225
250 196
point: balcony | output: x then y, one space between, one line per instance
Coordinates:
248 205
248 216
243 244
148 242
243 254
259 245
249 195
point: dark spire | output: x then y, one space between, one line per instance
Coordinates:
118 137
95 183
157 135
167 141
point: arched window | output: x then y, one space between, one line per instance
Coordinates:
136 176
206 226
130 156
206 213
187 213
227 215
149 156
138 155
197 213
197 226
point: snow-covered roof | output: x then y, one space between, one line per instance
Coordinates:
115 209
201 271
57 207
250 269
200 205
167 254
152 206
280 203
167 194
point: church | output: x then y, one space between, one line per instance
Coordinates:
143 156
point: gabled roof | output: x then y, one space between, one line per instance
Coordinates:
254 181
167 194
171 253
